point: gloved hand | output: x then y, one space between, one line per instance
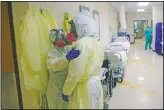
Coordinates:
72 54
65 98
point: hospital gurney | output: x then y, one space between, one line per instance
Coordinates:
118 49
110 74
121 42
118 60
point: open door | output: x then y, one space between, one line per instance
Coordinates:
9 89
140 27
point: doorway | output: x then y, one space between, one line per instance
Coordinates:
9 88
139 26
11 91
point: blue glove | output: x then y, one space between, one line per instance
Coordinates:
72 54
65 98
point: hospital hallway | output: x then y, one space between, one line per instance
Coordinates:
74 54
142 87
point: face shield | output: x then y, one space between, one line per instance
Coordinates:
60 39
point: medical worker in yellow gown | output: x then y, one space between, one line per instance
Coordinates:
57 65
82 86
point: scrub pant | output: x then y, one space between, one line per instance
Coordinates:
148 42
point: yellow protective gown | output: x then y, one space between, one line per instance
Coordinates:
83 85
57 65
66 26
49 18
35 43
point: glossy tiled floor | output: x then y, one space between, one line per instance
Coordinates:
143 84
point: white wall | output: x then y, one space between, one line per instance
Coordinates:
131 16
157 15
113 20
107 14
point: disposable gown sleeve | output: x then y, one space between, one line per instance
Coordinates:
57 63
76 70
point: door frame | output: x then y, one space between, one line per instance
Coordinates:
15 60
138 20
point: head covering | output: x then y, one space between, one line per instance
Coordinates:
85 25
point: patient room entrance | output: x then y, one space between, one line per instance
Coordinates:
139 27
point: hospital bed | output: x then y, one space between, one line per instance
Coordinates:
110 74
123 42
119 46
117 52
118 61
112 71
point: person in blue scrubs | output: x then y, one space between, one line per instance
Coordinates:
148 37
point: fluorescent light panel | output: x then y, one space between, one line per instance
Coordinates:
140 78
143 3
140 10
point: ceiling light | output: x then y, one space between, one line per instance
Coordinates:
143 3
137 58
140 78
140 10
